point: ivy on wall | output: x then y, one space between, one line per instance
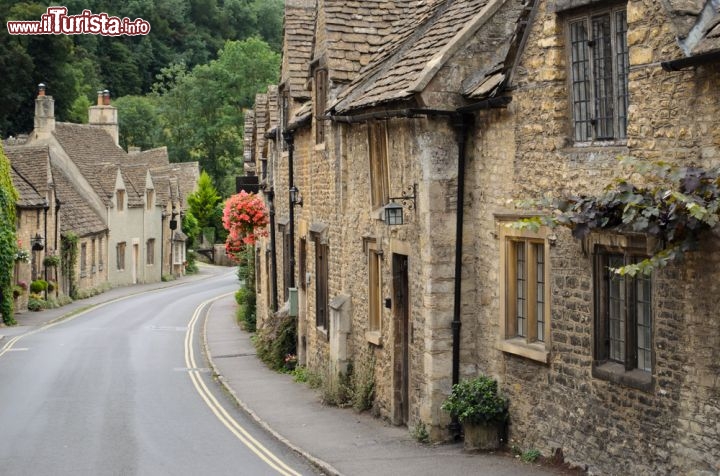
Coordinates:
68 260
676 206
8 241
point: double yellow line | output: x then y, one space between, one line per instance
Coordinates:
252 444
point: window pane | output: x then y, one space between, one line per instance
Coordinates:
603 76
580 80
521 288
621 68
616 310
540 296
643 305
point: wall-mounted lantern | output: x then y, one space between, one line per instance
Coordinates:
295 197
37 242
394 211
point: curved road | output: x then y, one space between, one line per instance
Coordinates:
123 389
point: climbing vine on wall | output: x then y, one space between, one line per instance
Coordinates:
676 206
8 246
68 260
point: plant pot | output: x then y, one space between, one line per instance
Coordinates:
482 436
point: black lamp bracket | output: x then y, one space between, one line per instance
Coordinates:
406 198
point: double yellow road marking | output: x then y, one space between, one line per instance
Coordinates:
230 423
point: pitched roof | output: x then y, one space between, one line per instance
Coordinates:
76 215
94 152
299 31
697 23
32 163
420 48
28 196
152 157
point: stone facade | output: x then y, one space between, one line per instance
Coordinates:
119 205
469 77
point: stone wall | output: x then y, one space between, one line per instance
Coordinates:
526 151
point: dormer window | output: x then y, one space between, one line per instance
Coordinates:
120 198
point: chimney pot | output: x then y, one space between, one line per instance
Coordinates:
41 89
100 98
106 97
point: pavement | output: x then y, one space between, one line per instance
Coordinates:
336 441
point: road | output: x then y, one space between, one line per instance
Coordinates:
123 389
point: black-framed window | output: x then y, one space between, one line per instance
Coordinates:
623 312
598 53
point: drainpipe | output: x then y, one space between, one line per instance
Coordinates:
57 250
460 124
45 235
290 141
273 256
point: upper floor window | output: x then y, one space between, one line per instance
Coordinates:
120 197
379 179
320 104
599 75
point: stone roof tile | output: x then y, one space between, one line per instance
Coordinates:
299 32
92 150
28 196
76 214
400 68
32 163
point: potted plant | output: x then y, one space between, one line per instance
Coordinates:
482 411
51 261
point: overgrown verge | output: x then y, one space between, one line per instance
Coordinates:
245 296
276 341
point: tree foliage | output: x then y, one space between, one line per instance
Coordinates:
186 32
202 110
204 201
8 243
674 205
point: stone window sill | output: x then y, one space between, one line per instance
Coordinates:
374 337
518 346
616 373
323 332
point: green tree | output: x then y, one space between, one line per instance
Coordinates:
8 243
203 112
139 122
204 202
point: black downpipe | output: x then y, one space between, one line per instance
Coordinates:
290 141
47 245
57 250
460 124
273 255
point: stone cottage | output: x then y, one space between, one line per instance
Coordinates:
123 219
408 135
38 220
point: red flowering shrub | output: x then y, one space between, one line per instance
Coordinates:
245 218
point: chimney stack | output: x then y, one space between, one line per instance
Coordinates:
44 113
105 115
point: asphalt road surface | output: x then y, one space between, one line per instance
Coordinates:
124 389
